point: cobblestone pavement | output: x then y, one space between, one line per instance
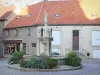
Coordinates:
90 67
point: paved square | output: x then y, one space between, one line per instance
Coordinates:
90 67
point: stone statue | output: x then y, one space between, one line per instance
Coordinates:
44 40
46 19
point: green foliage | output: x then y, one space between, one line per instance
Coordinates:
51 62
39 62
23 63
73 59
72 54
15 57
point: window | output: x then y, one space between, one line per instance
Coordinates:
94 15
6 33
56 42
57 15
18 17
41 32
24 47
75 32
16 32
24 44
28 31
96 37
29 15
33 44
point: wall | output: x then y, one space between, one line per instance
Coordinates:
22 35
85 38
1 36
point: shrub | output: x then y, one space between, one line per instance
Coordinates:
15 57
51 62
72 54
40 62
73 59
23 63
12 59
37 62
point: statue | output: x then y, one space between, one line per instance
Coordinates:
46 19
44 40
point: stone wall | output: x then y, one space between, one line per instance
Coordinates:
1 36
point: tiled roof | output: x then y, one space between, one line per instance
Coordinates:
6 11
70 13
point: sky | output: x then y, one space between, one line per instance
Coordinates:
18 1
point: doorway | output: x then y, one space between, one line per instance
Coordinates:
75 45
10 48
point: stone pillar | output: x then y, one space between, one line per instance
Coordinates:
48 49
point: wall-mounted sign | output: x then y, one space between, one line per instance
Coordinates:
10 45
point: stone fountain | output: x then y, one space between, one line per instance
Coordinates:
44 38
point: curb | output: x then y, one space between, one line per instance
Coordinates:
43 70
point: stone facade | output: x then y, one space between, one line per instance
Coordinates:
85 38
1 37
27 35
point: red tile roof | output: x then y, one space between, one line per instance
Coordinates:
6 11
70 13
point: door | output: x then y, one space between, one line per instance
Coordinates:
56 43
96 43
96 53
75 40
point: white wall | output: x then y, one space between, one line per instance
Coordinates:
85 38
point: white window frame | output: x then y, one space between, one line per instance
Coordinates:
54 46
95 41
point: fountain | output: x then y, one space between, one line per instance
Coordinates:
44 38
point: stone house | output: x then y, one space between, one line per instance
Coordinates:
4 13
72 29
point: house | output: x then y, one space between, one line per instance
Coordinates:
74 28
5 13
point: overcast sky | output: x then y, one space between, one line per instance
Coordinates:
19 1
